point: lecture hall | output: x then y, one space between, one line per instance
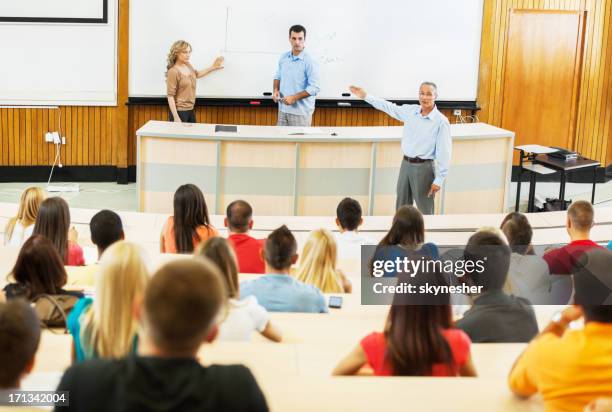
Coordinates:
269 206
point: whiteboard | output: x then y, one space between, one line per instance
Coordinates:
387 46
59 63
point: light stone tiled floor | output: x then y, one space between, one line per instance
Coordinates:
124 197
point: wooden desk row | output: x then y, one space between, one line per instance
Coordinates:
314 359
357 394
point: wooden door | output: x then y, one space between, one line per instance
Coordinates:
542 76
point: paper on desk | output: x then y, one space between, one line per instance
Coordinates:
304 130
536 148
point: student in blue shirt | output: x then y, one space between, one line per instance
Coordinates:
296 82
278 291
426 139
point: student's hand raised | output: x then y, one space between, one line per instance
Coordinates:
358 91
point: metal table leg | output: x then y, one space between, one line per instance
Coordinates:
532 184
594 181
562 190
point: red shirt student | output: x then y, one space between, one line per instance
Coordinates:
580 217
419 340
239 220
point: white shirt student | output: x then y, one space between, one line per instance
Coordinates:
243 318
20 235
348 220
349 244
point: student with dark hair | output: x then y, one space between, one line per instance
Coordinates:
528 274
190 223
38 270
244 316
419 339
278 291
348 220
105 228
570 367
53 222
238 221
19 339
580 219
405 238
181 304
494 315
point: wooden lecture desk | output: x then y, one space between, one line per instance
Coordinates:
282 172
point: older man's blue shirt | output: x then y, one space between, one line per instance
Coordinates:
425 137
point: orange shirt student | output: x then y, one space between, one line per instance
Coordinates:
190 224
570 368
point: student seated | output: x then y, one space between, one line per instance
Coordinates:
242 317
181 303
53 222
318 264
105 228
104 327
494 315
418 339
580 218
528 275
38 270
189 225
348 220
20 227
238 221
19 339
570 367
278 291
406 237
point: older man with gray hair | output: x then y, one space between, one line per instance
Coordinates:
425 140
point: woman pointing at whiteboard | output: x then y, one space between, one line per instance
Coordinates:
181 82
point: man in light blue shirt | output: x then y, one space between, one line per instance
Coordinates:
426 140
278 291
296 82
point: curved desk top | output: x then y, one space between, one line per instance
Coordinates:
154 128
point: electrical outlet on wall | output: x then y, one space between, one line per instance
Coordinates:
457 112
49 137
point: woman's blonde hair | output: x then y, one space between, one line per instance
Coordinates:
109 325
29 204
318 263
177 47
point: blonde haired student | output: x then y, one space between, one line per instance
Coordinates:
318 264
20 227
242 316
105 327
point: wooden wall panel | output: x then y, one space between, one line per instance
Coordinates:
106 135
593 132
